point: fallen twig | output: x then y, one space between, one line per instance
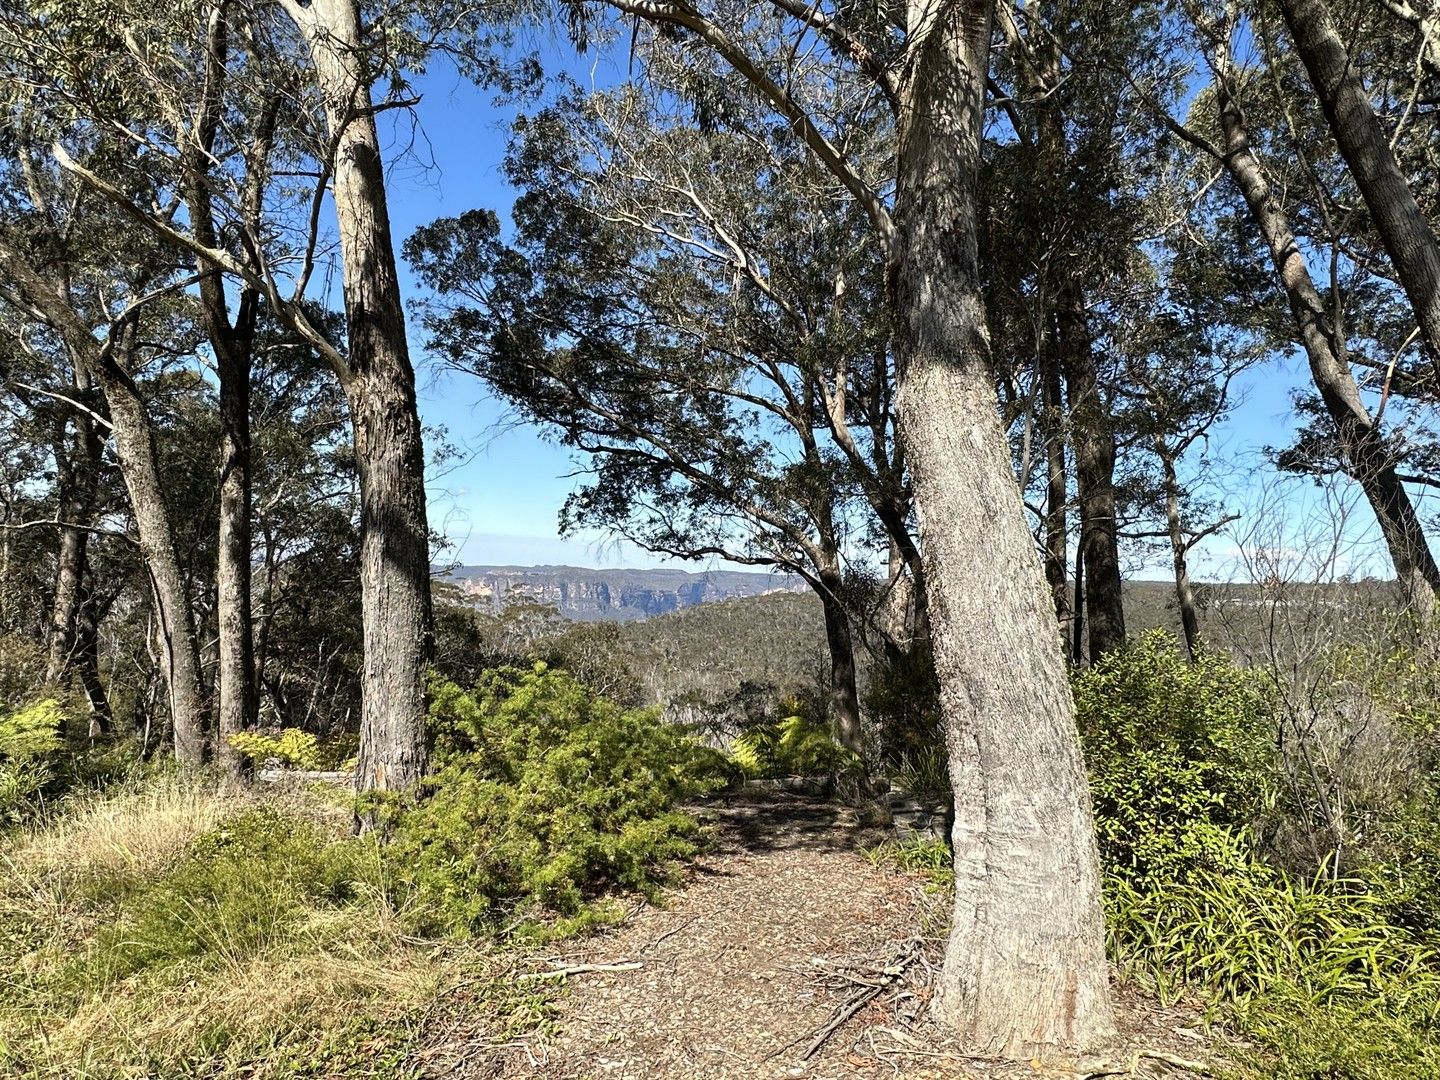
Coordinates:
580 969
669 933
1197 1067
870 989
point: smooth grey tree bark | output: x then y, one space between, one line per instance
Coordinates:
1403 227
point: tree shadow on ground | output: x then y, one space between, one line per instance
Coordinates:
756 823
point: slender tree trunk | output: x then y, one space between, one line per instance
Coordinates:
69 570
1368 458
1094 443
233 344
1057 496
1179 550
1402 225
844 692
87 663
236 702
1025 969
175 633
77 467
380 387
1077 626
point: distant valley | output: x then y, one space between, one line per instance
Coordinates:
592 595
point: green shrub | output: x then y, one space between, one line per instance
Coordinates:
1179 755
1328 978
31 739
793 746
1350 1040
545 796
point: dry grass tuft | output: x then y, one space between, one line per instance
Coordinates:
138 831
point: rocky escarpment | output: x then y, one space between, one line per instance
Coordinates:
591 595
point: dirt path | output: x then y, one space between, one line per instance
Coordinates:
739 974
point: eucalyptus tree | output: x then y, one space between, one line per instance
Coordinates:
250 115
112 321
1074 145
1025 967
1324 323
1368 148
697 312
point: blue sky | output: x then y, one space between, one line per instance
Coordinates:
498 500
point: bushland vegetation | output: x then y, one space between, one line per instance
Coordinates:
947 307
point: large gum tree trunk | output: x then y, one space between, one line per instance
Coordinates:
379 384
1368 459
1402 225
1025 969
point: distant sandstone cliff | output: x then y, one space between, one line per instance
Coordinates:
593 595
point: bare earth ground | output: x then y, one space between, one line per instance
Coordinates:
787 954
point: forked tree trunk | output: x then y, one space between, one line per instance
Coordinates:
1025 969
1402 225
1369 461
379 384
135 451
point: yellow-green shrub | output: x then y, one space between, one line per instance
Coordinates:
31 738
1179 755
545 797
794 746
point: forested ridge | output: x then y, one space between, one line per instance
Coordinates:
1100 738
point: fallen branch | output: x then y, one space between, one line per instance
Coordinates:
580 969
869 990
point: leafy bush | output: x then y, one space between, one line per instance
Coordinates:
30 740
294 749
795 745
544 797
1318 971
1179 756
